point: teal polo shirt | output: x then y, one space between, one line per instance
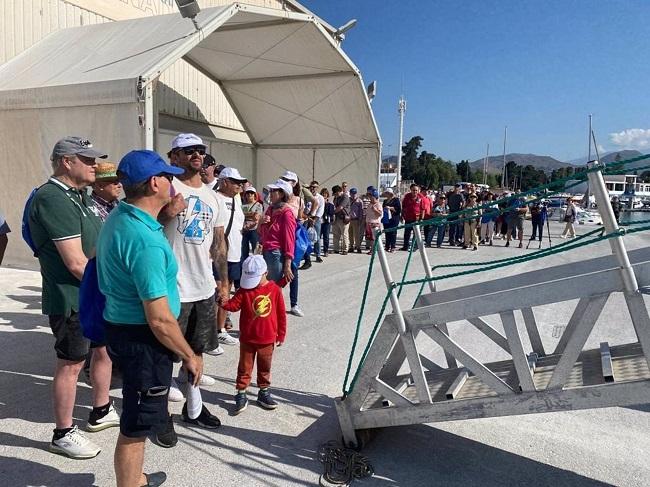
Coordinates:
134 264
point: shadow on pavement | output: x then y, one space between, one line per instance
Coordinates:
277 450
424 455
16 472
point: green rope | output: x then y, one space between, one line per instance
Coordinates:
571 246
373 333
514 259
408 263
361 311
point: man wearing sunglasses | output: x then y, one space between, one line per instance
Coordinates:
231 185
208 175
194 227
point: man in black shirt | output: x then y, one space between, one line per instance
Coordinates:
456 202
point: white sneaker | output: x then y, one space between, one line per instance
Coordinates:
226 338
175 394
75 445
296 311
205 380
216 351
109 420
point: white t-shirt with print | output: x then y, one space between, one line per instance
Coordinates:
235 235
190 235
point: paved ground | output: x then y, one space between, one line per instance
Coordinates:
260 448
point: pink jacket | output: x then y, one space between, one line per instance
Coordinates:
280 232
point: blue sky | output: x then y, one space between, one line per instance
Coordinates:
468 68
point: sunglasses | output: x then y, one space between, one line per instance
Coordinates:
188 151
168 177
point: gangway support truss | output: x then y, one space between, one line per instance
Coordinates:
398 384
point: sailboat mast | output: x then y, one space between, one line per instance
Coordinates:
401 110
503 171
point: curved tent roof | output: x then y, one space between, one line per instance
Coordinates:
289 83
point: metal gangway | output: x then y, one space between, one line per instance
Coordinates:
535 379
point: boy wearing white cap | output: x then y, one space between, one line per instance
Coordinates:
262 327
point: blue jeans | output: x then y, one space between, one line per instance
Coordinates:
274 264
432 231
249 240
455 232
317 227
325 233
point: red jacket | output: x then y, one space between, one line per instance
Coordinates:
427 207
263 318
280 232
412 208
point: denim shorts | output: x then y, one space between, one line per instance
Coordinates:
146 367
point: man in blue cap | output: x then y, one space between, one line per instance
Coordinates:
137 274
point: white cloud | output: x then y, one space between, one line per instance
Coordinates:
631 138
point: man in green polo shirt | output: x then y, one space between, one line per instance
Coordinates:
64 226
137 273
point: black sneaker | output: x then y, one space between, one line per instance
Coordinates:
319 260
241 401
265 400
205 419
305 266
168 438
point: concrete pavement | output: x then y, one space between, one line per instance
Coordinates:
262 448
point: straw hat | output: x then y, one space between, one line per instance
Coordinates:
106 171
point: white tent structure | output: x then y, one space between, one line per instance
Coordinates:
299 98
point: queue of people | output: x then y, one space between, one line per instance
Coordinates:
168 256
495 217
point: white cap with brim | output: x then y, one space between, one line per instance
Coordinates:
231 173
283 185
250 189
253 268
187 140
290 175
389 190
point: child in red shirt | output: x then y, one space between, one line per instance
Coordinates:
262 327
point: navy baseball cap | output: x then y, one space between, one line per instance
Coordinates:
139 165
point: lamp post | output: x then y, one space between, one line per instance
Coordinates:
401 109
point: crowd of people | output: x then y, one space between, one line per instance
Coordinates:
168 257
165 260
468 217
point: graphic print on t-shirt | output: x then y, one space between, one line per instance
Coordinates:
193 222
262 305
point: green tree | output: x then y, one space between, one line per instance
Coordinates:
464 171
410 157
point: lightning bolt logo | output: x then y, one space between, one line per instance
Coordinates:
262 305
193 223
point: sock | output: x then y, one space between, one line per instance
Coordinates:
194 400
102 410
60 433
243 391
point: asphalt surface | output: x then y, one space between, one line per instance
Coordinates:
278 448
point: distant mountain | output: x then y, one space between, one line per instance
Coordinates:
607 157
495 163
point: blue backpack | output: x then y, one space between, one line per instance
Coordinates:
27 234
303 244
91 304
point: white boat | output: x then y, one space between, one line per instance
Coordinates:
630 191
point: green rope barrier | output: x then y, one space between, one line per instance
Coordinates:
558 185
406 266
514 259
361 312
373 333
572 245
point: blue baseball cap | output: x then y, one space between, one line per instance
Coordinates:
139 165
